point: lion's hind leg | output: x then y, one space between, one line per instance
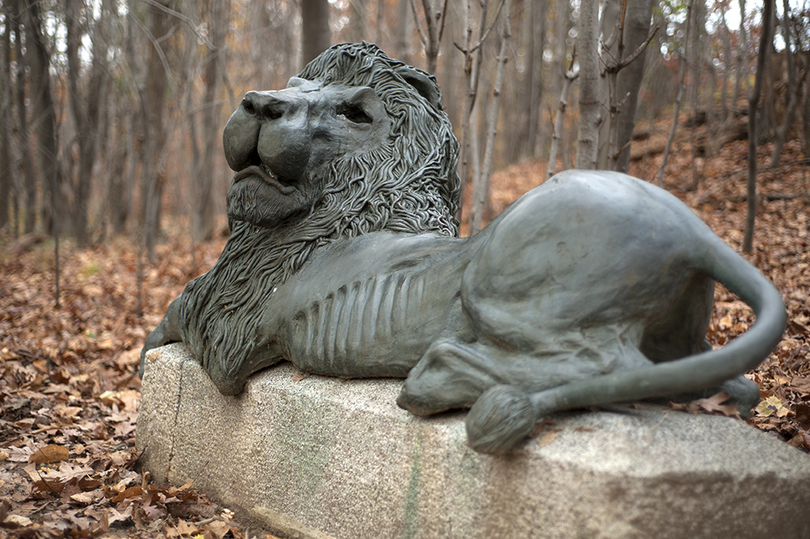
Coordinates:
450 375
680 331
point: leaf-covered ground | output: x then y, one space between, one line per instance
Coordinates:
69 394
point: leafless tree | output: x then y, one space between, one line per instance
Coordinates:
434 12
481 188
402 47
205 207
154 104
569 77
529 99
765 44
26 162
791 92
636 37
44 117
589 92
6 163
86 107
726 36
315 33
679 99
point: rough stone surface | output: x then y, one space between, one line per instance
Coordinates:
320 457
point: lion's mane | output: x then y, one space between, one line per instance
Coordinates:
408 185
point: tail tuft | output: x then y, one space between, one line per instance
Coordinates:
500 419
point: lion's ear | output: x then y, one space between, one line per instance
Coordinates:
423 83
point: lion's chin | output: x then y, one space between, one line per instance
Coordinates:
258 203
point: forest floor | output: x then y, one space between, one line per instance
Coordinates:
69 392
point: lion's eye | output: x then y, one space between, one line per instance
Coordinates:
272 112
354 113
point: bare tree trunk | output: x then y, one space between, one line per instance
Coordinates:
315 33
725 117
536 132
380 20
44 118
753 101
711 120
698 27
403 31
431 36
6 173
45 115
358 13
205 209
792 92
609 24
614 64
86 114
472 69
589 98
528 107
742 58
123 189
679 99
559 121
562 15
520 146
636 32
480 197
154 128
806 120
27 163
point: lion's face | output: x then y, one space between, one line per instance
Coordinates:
281 143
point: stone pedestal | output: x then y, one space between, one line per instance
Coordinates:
321 457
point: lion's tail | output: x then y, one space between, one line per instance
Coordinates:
496 409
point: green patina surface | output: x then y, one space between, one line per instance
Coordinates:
412 496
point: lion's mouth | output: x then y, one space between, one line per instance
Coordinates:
266 176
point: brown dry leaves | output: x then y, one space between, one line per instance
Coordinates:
69 395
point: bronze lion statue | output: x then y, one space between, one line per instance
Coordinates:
344 259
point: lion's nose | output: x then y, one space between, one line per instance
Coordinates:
265 105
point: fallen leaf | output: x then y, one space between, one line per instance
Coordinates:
770 406
714 404
48 454
218 528
801 384
120 516
52 487
17 521
88 497
547 437
69 411
152 512
131 492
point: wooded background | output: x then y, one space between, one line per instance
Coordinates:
111 117
113 109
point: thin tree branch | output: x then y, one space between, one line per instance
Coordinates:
155 44
486 32
422 35
186 19
636 53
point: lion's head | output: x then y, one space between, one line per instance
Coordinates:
356 143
